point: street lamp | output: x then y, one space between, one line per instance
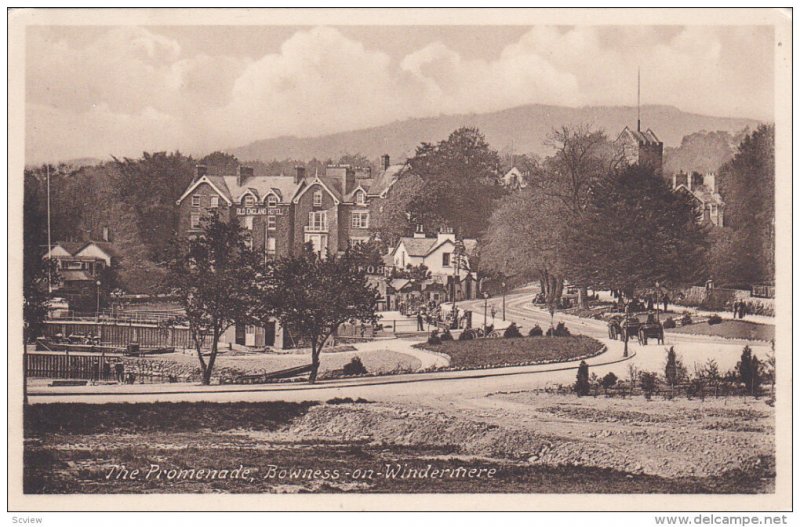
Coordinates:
503 284
97 307
485 306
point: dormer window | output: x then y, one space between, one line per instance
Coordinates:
272 200
361 197
249 200
318 198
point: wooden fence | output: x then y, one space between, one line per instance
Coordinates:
96 368
117 334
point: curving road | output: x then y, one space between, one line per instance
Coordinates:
442 389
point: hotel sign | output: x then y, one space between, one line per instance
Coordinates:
259 211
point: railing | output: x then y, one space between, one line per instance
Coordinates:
126 317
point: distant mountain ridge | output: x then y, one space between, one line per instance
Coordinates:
523 129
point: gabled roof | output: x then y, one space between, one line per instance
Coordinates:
646 137
249 190
384 181
71 247
416 246
107 247
703 194
227 186
329 184
216 182
351 197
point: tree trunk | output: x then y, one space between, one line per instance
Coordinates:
210 368
199 347
315 350
583 297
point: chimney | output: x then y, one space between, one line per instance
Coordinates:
244 173
106 235
299 174
420 232
200 171
674 181
385 161
445 233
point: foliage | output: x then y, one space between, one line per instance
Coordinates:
608 381
714 319
313 294
512 331
671 368
561 330
460 176
648 381
354 367
634 205
582 381
221 160
434 339
536 331
150 186
412 272
748 370
215 280
396 217
669 323
747 183
445 335
686 320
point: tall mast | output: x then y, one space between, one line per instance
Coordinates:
638 99
49 242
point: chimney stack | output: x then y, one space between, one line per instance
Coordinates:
244 173
106 235
299 174
710 180
200 171
420 232
385 161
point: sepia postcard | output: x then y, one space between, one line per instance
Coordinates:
400 259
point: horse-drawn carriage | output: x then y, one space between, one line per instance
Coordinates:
627 327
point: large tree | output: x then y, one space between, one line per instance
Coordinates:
313 294
397 216
746 253
461 182
635 231
216 281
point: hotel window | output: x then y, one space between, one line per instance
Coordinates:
195 221
271 223
196 200
271 245
318 221
214 202
445 259
248 223
360 220
318 198
360 198
249 200
272 200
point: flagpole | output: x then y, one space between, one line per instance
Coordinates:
49 241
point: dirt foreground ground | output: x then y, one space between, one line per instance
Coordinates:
504 442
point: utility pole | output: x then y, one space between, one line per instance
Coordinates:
639 99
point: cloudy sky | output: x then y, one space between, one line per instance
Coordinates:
120 90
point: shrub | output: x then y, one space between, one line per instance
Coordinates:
445 336
561 331
512 332
686 320
648 381
434 339
354 367
467 334
608 381
536 331
582 381
669 323
748 370
714 319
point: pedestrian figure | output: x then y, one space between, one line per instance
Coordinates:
666 301
736 309
742 309
420 326
650 306
119 371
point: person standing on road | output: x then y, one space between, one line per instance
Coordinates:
420 326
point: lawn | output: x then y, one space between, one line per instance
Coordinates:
516 351
731 329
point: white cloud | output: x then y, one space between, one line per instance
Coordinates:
132 89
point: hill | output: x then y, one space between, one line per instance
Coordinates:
524 128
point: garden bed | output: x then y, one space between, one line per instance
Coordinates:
481 353
730 329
